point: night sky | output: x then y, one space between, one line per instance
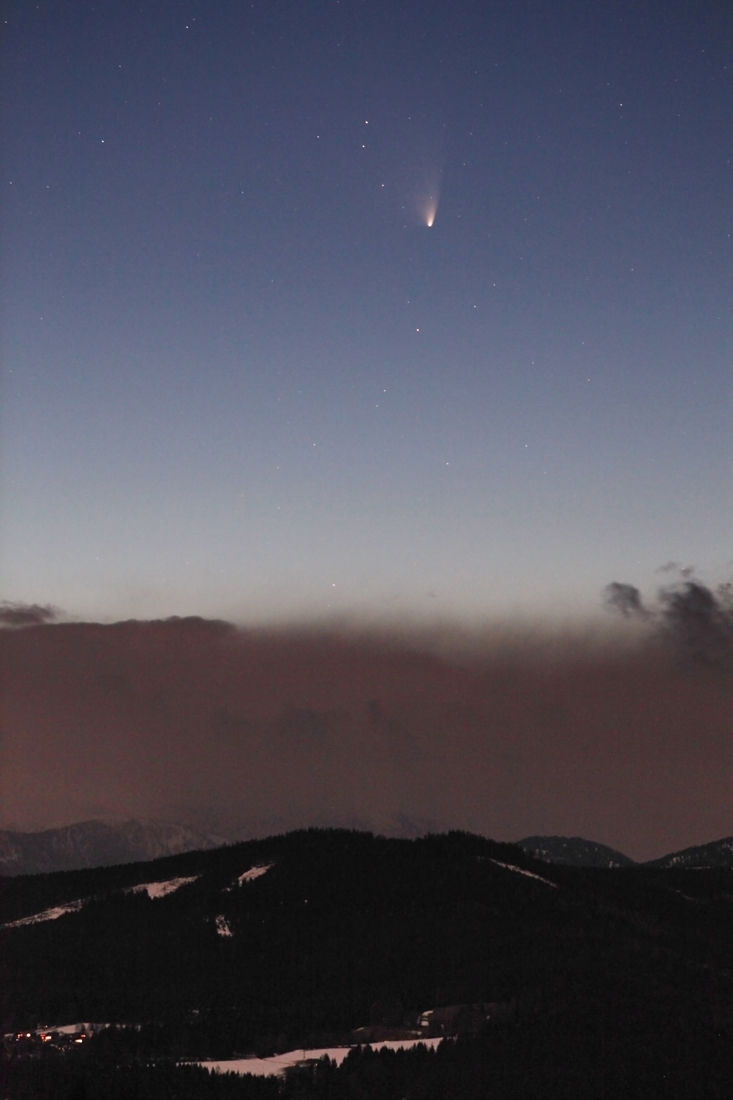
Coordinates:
244 376
359 324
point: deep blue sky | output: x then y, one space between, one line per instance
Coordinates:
242 376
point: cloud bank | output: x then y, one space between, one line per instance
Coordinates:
196 721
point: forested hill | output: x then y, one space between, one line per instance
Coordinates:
574 851
299 939
578 852
719 853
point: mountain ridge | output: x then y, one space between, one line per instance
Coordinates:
98 843
578 852
574 851
717 853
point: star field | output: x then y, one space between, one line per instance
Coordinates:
385 309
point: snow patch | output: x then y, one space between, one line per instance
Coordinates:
153 890
521 871
254 872
48 914
279 1063
161 889
223 926
72 1029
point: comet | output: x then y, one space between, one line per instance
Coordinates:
425 186
429 197
427 208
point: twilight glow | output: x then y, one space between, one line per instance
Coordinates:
238 381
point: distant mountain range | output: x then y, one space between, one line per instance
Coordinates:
89 844
575 851
97 844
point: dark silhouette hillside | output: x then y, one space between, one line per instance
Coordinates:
574 851
294 941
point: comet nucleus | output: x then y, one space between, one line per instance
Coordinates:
429 197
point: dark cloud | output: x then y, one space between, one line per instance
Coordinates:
699 623
253 732
692 619
624 598
26 614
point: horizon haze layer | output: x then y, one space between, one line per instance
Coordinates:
197 721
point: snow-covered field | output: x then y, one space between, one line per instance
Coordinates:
153 890
60 1029
521 871
271 1067
74 1029
160 889
254 872
48 914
